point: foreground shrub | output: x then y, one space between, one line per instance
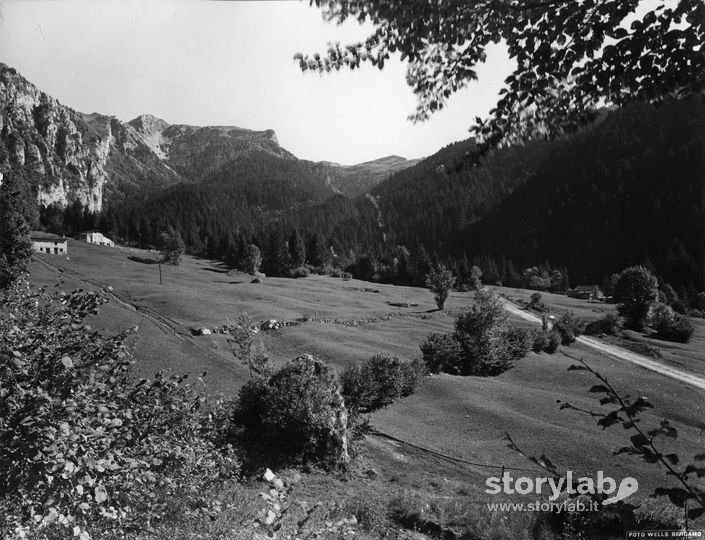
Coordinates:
484 343
379 381
569 327
84 447
288 416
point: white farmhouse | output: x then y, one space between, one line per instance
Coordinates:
44 242
98 238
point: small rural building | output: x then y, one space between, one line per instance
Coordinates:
97 238
44 242
587 292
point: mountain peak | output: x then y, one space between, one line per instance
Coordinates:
147 123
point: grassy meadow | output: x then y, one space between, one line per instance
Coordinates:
443 441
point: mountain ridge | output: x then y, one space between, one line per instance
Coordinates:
96 159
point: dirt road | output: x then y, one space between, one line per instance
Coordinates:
621 354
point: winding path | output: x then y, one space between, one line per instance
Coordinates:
621 354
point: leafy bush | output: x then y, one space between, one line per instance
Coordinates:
84 447
540 341
553 341
569 327
546 341
442 352
440 281
661 316
680 330
484 343
287 417
611 324
635 291
379 381
669 325
520 341
346 276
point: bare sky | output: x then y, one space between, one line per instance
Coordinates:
231 63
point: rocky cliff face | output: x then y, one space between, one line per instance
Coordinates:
46 139
96 159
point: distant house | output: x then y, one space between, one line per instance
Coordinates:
44 242
97 238
587 292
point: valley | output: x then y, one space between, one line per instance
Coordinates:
457 422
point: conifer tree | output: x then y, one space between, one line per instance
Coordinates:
15 244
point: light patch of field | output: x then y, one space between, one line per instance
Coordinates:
463 418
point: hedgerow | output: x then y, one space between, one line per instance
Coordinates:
85 450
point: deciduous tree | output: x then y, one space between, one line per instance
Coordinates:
571 56
172 246
440 281
635 292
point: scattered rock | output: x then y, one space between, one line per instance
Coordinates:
201 331
271 324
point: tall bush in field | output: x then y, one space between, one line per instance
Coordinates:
484 342
440 281
635 292
379 381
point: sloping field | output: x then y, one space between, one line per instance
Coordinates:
463 419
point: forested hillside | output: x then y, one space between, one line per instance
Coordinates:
629 190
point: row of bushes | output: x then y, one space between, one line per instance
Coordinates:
666 323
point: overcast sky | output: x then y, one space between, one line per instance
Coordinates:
231 63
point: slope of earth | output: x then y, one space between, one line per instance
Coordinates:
463 419
626 190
